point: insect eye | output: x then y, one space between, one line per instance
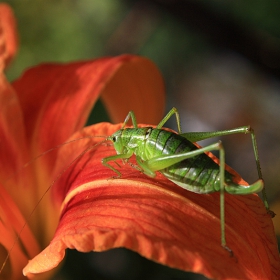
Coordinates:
114 139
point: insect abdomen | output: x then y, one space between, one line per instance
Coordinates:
198 174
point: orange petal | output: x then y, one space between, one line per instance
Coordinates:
57 98
18 181
17 250
157 219
13 146
136 86
8 35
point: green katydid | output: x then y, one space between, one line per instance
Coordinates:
182 162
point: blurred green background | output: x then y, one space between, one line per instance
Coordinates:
221 65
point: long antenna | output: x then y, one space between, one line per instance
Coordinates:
50 150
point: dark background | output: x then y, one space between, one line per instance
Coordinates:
221 64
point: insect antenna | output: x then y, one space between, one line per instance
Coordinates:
50 150
18 234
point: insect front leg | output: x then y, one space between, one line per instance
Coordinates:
131 116
114 158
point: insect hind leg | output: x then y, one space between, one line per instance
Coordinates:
166 161
198 136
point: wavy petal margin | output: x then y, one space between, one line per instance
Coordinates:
57 98
157 219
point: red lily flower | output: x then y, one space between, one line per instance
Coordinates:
50 104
